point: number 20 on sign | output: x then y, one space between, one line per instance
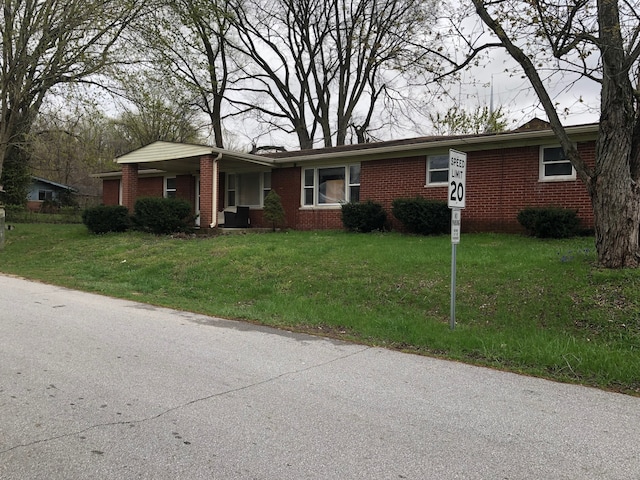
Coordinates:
457 179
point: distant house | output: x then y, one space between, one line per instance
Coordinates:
42 190
505 172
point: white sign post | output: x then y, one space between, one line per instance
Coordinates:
456 201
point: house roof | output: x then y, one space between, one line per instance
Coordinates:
420 145
181 158
183 155
54 184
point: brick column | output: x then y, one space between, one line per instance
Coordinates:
206 191
129 185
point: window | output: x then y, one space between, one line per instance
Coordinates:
354 183
45 195
437 169
554 165
170 187
331 185
266 185
248 189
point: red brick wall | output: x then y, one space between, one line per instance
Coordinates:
385 180
129 185
286 183
111 191
499 184
320 219
206 191
150 187
34 205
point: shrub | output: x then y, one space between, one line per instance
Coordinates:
273 212
163 216
363 217
422 216
15 212
549 222
106 218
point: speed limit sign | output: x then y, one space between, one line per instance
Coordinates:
457 179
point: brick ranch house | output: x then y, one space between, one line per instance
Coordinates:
506 172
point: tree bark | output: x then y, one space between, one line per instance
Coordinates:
2 216
616 210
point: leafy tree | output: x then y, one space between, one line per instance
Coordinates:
459 121
597 40
186 40
72 140
154 116
50 43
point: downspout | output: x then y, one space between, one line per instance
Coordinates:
214 190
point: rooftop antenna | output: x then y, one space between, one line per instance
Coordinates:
491 99
489 126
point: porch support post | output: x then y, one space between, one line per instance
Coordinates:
129 185
208 191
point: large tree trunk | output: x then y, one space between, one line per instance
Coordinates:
616 210
614 190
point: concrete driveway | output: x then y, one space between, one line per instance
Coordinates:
92 387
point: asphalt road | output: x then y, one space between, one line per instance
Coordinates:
97 388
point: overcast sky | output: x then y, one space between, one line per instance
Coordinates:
577 99
577 102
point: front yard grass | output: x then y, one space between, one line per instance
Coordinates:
539 307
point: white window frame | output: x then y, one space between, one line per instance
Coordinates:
428 182
553 178
348 185
168 190
264 188
266 185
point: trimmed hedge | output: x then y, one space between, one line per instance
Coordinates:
106 218
549 222
163 216
363 217
422 216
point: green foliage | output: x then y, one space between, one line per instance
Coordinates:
549 222
422 216
14 211
458 121
15 177
163 216
273 211
363 217
21 214
106 218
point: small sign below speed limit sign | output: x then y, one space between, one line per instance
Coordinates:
457 178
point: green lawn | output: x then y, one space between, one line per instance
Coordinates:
525 305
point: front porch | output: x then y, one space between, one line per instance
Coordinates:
202 176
